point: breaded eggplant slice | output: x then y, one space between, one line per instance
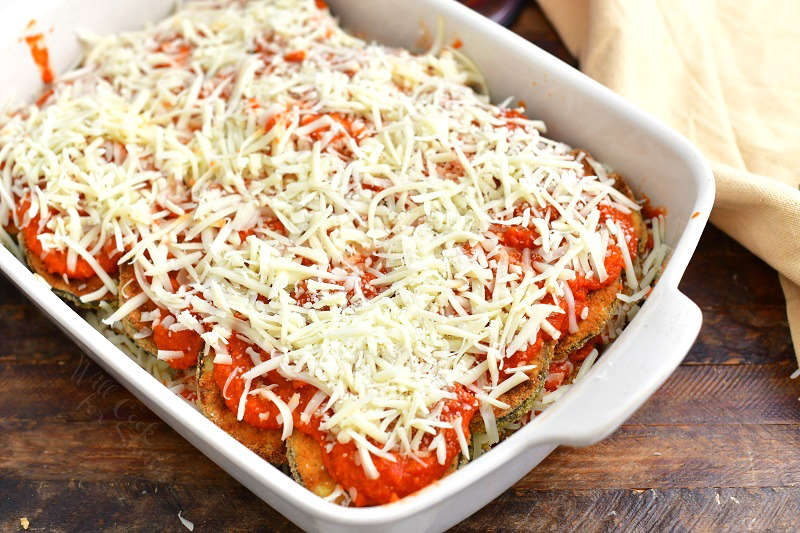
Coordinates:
601 303
133 324
69 291
304 455
265 442
638 221
307 467
521 398
12 230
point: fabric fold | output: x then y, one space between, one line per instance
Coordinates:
726 75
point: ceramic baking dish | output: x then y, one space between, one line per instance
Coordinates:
577 110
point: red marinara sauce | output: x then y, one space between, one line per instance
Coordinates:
579 356
404 475
186 341
40 55
650 211
298 56
396 479
511 117
523 357
560 371
624 221
55 261
581 287
259 412
517 237
303 295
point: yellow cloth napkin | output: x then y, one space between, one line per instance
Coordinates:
726 74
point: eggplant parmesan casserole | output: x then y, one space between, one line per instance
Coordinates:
343 253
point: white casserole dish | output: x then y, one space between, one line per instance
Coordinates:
653 158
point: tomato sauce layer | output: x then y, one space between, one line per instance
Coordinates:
401 475
185 340
560 371
517 238
404 475
55 261
397 478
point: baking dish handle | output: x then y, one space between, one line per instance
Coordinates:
648 353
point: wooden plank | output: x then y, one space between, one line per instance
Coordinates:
711 509
725 394
74 388
734 334
678 456
134 505
102 450
26 332
738 277
744 315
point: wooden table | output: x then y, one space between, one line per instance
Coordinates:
717 447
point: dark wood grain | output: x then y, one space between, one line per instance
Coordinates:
681 509
716 448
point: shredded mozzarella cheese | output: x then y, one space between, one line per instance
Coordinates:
340 211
